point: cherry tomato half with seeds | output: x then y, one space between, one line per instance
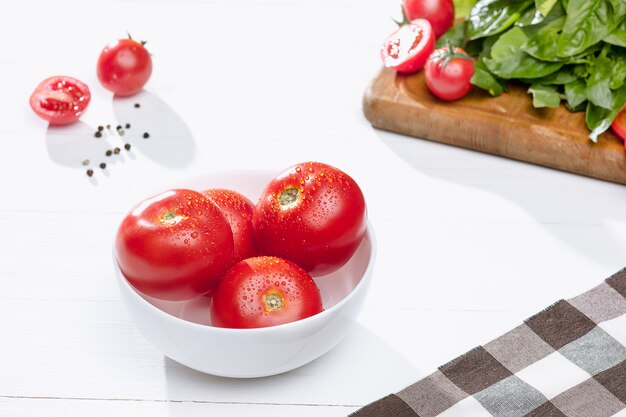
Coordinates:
448 73
238 211
60 100
407 49
440 13
264 291
174 246
312 214
124 67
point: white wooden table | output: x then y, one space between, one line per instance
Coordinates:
469 244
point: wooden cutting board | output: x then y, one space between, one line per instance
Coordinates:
507 126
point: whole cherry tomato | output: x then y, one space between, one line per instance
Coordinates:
264 291
448 73
174 246
312 214
407 49
440 13
124 67
60 100
238 211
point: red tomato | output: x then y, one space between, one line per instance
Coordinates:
60 100
407 49
124 67
448 74
311 214
238 211
264 291
440 13
174 246
619 125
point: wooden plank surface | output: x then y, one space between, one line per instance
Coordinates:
507 126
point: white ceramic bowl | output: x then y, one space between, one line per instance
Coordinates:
182 330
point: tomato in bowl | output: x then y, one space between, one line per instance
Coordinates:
183 331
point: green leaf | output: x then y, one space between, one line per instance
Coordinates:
508 60
618 68
587 23
489 17
544 96
543 44
597 90
455 35
575 94
618 36
563 76
482 78
530 17
619 7
544 6
599 119
462 7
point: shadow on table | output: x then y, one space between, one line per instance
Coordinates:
554 200
170 142
361 360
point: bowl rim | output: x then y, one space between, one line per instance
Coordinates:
365 278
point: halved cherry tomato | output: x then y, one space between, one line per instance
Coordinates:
124 67
60 100
264 291
407 49
440 13
448 73
238 211
312 214
174 246
619 125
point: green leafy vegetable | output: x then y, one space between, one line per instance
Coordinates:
545 96
508 60
588 22
565 50
544 6
618 36
489 17
487 81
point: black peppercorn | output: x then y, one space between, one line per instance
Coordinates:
127 125
108 152
103 165
137 105
146 135
116 151
89 172
98 134
127 146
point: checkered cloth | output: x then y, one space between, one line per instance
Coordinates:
567 361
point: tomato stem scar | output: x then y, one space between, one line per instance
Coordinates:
273 301
171 218
289 197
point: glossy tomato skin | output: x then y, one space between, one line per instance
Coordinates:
407 49
60 99
619 125
440 13
174 246
264 291
237 209
124 67
449 79
311 214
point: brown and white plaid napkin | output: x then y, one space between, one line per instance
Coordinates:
567 361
